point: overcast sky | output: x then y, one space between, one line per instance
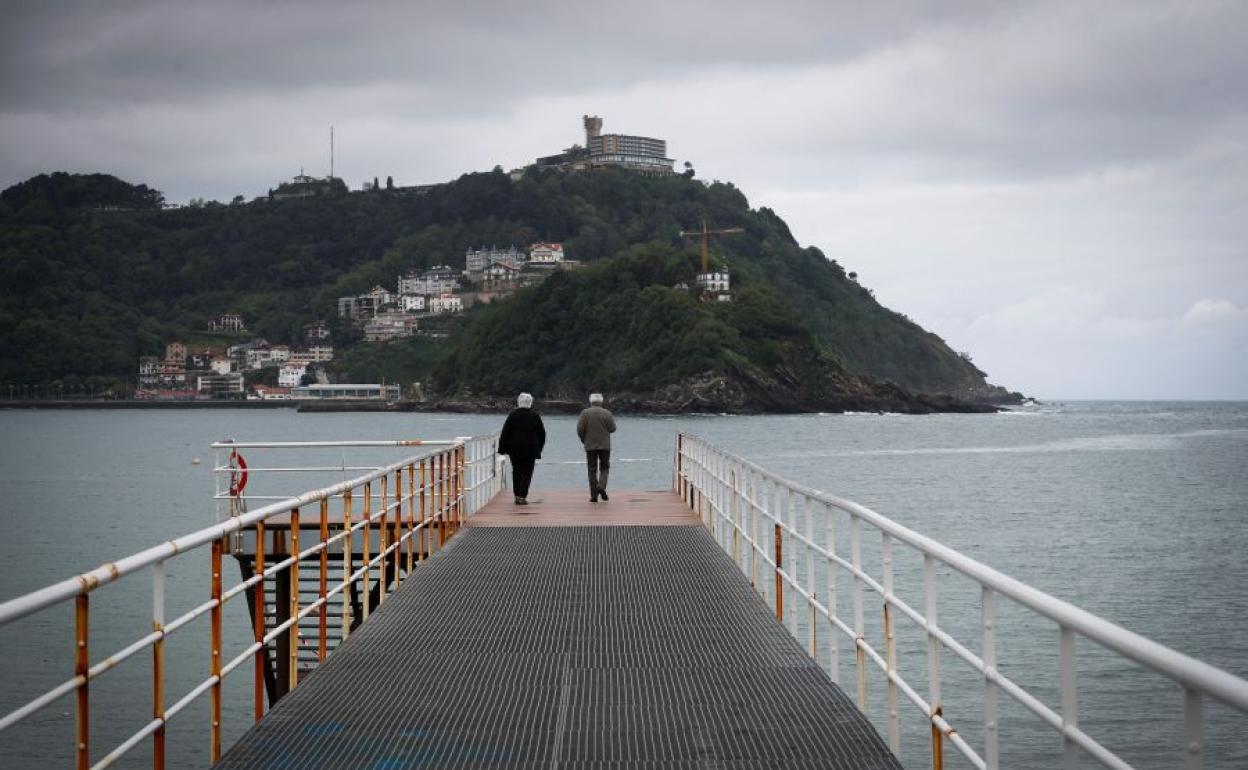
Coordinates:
1058 188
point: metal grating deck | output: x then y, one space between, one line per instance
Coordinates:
603 647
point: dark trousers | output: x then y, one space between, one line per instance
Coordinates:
599 463
521 474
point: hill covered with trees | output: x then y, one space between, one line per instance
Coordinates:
93 274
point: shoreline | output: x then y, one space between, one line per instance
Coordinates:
133 404
552 406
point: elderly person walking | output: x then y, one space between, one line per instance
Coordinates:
595 426
522 440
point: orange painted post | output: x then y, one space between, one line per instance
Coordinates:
396 527
158 665
439 499
293 634
382 536
347 556
258 622
82 665
448 491
459 483
779 579
322 631
367 545
424 512
411 515
214 740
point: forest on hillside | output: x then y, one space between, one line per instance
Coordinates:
95 273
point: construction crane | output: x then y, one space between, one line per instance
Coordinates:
706 234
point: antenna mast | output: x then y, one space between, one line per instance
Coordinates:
331 152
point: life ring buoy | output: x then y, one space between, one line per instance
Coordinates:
238 477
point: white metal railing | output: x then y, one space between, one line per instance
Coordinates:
436 489
744 504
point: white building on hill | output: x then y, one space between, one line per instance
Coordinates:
546 253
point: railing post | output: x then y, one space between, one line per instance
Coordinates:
834 637
1070 699
678 479
411 515
736 515
424 514
991 736
777 516
258 624
751 494
396 528
158 664
214 741
860 655
366 549
383 532
457 485
347 557
293 661
933 659
890 643
1193 721
322 626
779 544
808 511
439 499
82 667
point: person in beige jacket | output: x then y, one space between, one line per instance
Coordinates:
594 427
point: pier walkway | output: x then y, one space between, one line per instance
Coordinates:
413 616
569 634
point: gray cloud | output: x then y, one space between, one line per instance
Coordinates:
985 167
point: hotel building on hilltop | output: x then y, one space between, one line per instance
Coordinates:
638 154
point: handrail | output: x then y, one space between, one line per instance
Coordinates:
733 493
456 478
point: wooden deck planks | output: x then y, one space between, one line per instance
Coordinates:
570 508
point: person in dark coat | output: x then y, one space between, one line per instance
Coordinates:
522 440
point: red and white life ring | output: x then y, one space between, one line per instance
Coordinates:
238 474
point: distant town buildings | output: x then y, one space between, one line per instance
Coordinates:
638 154
227 322
714 283
446 303
546 254
270 393
220 385
437 280
475 261
303 186
317 331
214 372
291 375
389 326
347 391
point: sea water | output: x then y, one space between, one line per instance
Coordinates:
1135 511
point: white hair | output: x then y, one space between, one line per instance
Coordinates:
595 398
524 400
